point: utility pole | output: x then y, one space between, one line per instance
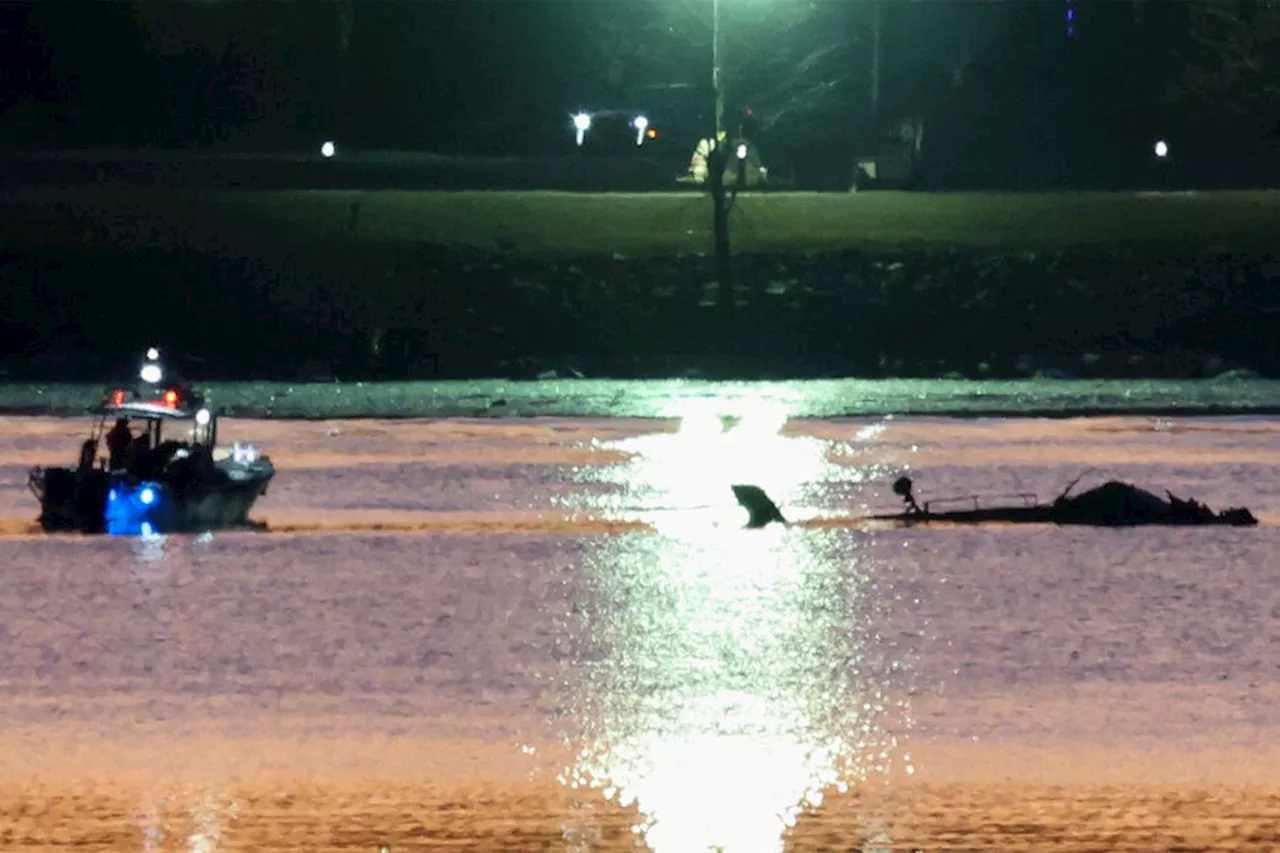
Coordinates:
876 32
717 75
346 20
866 131
717 161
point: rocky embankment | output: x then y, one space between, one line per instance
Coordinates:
436 313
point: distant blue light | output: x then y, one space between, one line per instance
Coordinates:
147 530
147 496
1071 31
112 495
1071 14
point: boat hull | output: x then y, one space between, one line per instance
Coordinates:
119 504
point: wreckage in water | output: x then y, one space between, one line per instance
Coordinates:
1113 504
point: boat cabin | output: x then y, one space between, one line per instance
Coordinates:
157 406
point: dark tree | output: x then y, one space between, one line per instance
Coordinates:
86 69
800 66
785 71
271 71
1217 81
1231 58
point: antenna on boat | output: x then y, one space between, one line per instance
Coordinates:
1072 485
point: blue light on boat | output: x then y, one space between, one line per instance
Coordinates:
135 509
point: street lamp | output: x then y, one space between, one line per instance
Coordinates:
716 162
581 124
641 124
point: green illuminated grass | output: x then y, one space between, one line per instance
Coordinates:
569 224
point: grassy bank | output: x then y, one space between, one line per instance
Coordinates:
550 224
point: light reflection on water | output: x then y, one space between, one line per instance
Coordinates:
728 677
150 547
198 821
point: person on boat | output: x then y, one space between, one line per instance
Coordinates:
88 450
119 442
138 459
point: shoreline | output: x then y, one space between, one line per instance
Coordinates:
499 399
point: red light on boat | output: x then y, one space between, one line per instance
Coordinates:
117 397
171 399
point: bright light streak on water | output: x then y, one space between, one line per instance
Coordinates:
710 699
199 827
688 474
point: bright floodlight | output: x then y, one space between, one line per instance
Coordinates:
581 123
151 373
328 149
742 151
203 416
1162 149
147 496
640 123
153 354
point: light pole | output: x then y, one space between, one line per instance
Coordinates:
346 19
876 31
717 74
717 159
